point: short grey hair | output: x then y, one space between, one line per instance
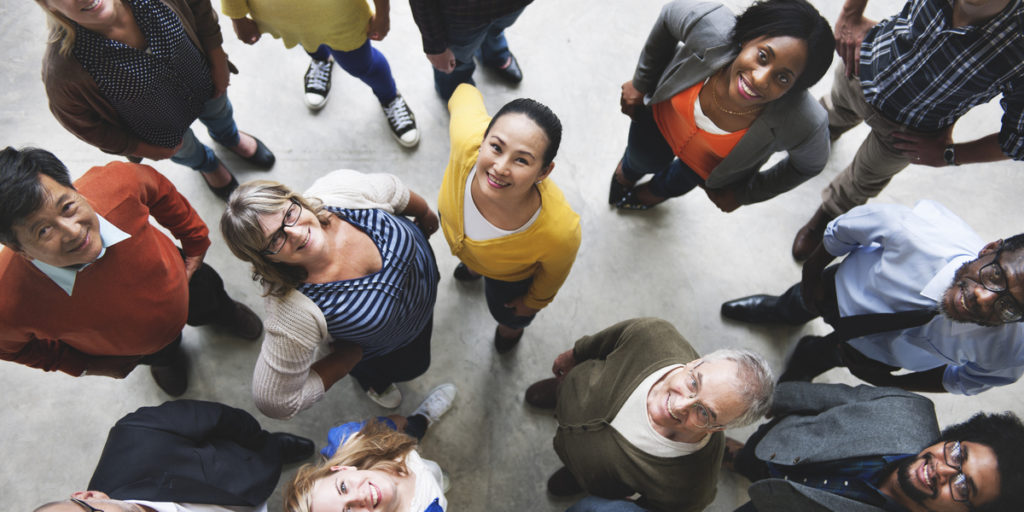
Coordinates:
755 382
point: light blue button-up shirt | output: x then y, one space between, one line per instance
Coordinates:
65 277
901 259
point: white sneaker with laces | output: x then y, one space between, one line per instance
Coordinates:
389 399
318 83
438 401
402 122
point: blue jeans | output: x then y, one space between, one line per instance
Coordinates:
366 64
219 118
595 504
647 152
500 292
486 42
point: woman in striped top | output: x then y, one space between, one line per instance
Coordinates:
350 285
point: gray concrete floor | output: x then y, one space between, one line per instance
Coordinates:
678 262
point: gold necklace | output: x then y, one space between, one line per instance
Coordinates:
714 96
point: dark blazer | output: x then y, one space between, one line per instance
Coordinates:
689 42
829 422
189 451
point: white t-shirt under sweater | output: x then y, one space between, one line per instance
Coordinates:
479 228
161 506
428 488
633 422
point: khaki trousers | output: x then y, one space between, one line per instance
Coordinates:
876 161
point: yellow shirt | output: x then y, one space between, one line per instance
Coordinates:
545 251
340 24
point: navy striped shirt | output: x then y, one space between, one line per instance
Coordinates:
921 72
386 310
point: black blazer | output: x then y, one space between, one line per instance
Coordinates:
189 451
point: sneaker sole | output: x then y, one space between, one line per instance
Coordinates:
313 107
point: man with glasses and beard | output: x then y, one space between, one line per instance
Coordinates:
841 448
918 290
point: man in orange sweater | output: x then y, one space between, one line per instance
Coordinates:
90 287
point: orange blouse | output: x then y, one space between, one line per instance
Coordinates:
700 150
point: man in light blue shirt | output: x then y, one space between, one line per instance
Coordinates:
959 302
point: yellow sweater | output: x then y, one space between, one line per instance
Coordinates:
340 24
545 251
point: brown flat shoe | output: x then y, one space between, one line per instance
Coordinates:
543 393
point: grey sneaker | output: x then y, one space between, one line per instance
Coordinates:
402 122
438 401
318 83
389 399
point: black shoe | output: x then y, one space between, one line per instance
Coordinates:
242 322
755 309
616 191
503 344
262 158
317 83
814 355
223 192
293 448
462 273
172 378
562 483
511 73
543 393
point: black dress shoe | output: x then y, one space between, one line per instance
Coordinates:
503 344
462 273
243 322
543 393
172 378
511 73
813 356
755 309
616 191
562 483
293 448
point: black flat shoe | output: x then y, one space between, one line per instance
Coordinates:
262 158
630 202
616 191
511 73
462 273
503 344
225 191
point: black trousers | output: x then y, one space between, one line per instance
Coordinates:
400 365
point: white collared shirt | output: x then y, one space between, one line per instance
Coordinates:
162 506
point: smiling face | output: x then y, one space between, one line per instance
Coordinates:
95 15
922 483
511 159
348 489
967 300
303 240
676 403
765 69
65 231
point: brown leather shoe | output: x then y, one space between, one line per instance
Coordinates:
542 393
809 236
732 449
562 483
243 323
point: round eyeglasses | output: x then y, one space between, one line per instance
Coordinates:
993 278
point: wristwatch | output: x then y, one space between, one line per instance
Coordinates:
949 154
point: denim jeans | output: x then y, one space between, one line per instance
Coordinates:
366 64
486 42
647 152
595 504
498 293
218 116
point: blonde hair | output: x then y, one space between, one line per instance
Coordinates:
62 29
375 447
240 226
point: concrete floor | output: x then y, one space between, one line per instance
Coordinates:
678 262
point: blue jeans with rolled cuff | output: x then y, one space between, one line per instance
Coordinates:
486 42
219 118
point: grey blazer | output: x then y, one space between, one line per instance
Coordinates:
689 42
828 422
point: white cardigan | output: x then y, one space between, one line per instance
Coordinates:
296 331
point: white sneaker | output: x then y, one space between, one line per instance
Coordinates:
318 83
402 122
389 399
438 401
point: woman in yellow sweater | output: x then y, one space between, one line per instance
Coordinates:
326 28
501 216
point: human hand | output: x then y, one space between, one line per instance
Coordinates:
631 99
427 222
923 149
379 26
724 198
521 308
116 367
564 362
850 30
219 72
246 29
443 62
192 263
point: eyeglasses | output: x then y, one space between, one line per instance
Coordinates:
959 487
993 278
85 505
277 240
693 386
